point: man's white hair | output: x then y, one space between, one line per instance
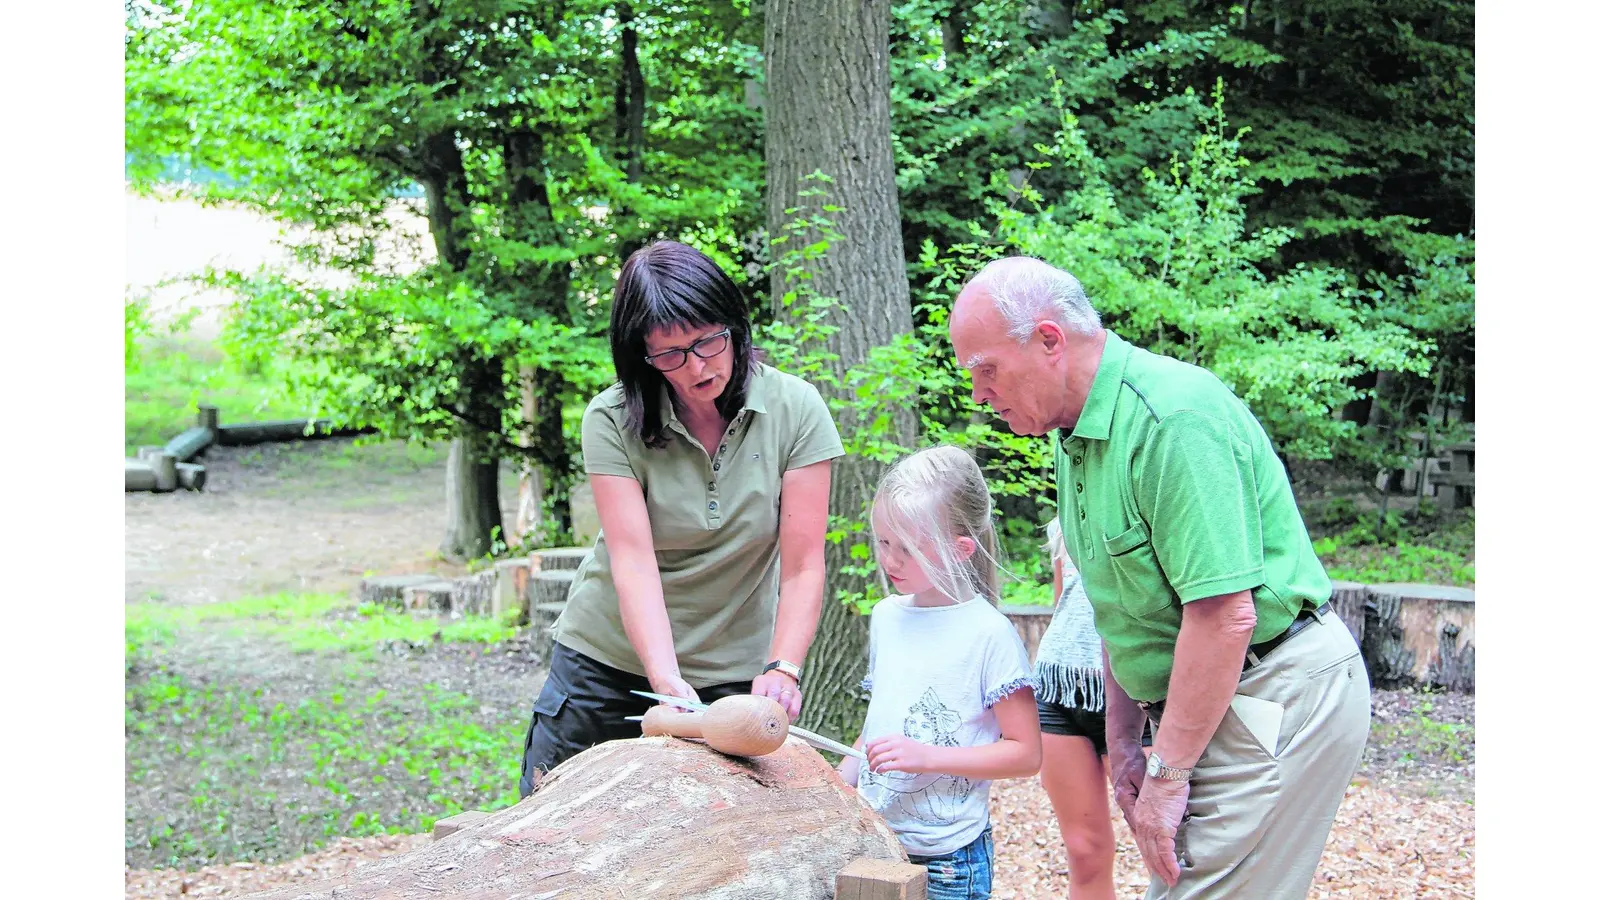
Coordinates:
1027 291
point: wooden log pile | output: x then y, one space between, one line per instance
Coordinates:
168 468
654 817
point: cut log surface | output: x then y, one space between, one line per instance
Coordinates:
389 590
882 879
191 476
647 818
1031 623
165 465
557 558
1421 635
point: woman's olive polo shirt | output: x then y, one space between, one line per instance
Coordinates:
714 524
1169 491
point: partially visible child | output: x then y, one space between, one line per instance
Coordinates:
1072 714
952 703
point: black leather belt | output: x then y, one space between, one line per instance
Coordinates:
1258 652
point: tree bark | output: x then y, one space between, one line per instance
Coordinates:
471 501
1421 635
827 81
650 817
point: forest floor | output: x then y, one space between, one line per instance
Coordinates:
277 731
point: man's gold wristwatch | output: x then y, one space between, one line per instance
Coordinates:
1155 768
784 666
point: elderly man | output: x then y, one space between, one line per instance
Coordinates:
1210 603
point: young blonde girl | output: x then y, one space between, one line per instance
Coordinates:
951 705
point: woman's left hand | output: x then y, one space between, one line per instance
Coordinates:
781 688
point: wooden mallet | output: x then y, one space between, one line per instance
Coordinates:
741 725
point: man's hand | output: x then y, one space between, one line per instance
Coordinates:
1156 816
1126 762
898 753
781 688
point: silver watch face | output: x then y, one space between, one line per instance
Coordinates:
1152 765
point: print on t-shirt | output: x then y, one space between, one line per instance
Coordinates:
930 798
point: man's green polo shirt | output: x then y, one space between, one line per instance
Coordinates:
1169 491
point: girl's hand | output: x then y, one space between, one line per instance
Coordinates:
898 753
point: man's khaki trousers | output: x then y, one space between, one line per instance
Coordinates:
1262 798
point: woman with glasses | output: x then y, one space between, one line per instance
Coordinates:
710 472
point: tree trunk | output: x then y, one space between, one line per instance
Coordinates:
827 81
650 817
471 501
630 120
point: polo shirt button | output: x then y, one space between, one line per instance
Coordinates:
712 506
1077 460
711 485
1080 487
717 466
1083 514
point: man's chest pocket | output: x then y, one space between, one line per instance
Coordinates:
1131 561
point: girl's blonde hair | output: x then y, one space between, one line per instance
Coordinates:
937 495
1053 541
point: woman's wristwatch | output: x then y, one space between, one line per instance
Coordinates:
786 667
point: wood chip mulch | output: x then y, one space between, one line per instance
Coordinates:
1384 845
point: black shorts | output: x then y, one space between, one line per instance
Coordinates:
1069 722
584 703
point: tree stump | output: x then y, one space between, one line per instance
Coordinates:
433 596
510 588
165 467
1421 635
1350 603
557 558
389 590
651 817
207 417
545 589
473 595
1031 622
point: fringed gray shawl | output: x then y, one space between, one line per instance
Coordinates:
1069 670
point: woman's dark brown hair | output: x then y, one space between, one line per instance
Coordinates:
671 285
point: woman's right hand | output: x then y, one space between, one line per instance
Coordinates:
673 685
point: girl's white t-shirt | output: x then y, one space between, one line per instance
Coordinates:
935 674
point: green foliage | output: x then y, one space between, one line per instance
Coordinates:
170 375
1185 279
1390 546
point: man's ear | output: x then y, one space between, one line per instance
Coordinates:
965 547
1052 337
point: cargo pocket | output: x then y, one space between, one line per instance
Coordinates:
536 760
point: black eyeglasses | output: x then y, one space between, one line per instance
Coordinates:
705 348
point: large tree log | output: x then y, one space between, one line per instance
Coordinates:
653 817
473 595
1421 635
138 476
191 442
282 430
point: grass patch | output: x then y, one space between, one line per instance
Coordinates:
263 774
1426 738
262 767
167 377
311 623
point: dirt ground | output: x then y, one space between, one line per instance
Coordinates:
317 516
